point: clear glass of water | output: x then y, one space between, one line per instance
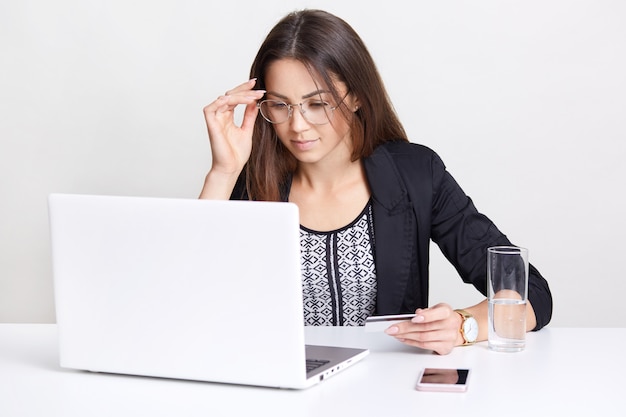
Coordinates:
507 292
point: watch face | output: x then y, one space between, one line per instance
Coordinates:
470 329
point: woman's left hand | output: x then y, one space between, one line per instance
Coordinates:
436 328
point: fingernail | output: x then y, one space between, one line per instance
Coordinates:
417 319
392 330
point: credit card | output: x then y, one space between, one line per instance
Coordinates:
380 323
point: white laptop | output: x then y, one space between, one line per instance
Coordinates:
184 288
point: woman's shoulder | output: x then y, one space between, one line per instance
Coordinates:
404 147
401 151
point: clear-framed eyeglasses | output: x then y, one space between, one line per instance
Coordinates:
314 110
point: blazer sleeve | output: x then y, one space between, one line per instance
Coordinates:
463 234
239 190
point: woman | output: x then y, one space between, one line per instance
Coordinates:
327 139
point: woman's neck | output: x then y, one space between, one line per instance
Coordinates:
329 199
327 176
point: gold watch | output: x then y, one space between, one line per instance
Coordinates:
469 327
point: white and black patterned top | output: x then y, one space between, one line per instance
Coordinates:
338 273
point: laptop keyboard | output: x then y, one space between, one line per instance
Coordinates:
312 364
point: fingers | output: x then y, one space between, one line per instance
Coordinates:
435 313
434 328
440 340
242 94
244 87
225 104
426 319
441 347
249 117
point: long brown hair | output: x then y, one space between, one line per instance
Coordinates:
332 50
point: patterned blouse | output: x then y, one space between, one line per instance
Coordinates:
338 273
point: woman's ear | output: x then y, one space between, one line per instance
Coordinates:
355 105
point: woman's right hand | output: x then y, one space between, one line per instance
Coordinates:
230 144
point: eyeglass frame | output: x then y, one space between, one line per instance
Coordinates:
302 112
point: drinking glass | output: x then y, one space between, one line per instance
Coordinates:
507 292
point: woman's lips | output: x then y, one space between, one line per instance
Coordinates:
304 145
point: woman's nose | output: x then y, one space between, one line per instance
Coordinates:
298 121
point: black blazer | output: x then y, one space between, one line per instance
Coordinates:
415 200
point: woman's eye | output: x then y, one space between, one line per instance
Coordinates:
317 104
277 105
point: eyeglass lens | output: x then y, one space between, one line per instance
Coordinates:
314 111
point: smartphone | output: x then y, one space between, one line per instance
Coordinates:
443 379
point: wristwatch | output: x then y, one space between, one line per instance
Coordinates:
469 327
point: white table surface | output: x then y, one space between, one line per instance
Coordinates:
562 372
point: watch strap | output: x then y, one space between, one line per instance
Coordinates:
464 316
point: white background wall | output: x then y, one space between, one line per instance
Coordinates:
524 100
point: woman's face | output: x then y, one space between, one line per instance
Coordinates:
288 80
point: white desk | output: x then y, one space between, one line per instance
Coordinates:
562 372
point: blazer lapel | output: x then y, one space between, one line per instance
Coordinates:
395 231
